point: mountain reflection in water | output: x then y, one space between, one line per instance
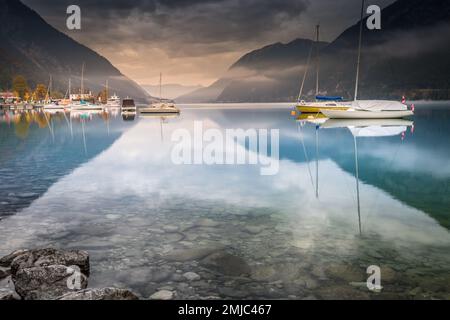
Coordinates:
303 233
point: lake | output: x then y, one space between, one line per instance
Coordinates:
347 196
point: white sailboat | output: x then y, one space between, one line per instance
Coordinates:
160 107
113 101
368 109
83 105
51 105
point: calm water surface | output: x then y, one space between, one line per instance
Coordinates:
347 196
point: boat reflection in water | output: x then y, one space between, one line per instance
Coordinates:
163 119
368 128
359 128
128 116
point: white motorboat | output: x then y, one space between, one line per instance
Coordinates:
113 102
85 106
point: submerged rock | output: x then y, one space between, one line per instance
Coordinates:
232 293
47 282
170 229
263 273
342 293
253 229
160 275
207 223
162 295
226 264
346 272
191 276
191 254
100 294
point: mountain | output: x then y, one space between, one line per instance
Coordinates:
408 56
258 75
30 47
170 91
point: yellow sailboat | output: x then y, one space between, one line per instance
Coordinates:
322 102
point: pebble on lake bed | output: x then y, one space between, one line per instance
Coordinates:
191 276
162 295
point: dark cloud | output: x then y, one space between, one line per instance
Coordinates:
202 37
205 21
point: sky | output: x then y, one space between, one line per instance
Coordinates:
194 42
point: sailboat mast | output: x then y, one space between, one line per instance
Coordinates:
357 184
160 86
48 98
317 58
359 49
305 73
107 90
317 162
82 81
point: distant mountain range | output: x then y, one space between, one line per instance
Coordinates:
30 47
408 56
170 91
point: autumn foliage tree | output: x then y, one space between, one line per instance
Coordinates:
40 92
20 87
102 96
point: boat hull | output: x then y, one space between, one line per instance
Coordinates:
158 111
313 109
93 108
340 114
55 108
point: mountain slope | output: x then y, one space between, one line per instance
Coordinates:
408 56
258 75
170 91
31 47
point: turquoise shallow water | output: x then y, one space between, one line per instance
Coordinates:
109 186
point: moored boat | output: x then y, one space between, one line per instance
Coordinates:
369 109
321 102
128 106
161 107
113 101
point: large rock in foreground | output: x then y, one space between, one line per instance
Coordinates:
100 294
51 274
46 274
48 257
7 260
48 282
7 290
